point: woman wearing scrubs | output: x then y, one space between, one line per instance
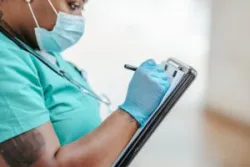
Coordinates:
49 116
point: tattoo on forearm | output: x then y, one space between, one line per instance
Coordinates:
23 150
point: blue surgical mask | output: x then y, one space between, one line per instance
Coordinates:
67 31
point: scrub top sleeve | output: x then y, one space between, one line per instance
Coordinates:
22 106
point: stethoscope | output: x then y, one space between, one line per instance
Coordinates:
104 99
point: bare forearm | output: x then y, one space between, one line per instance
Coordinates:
40 147
101 147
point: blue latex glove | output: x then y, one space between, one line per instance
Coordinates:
146 90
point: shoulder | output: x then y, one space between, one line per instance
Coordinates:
22 99
17 67
12 56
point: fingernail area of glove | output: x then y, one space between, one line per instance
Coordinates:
160 69
161 74
165 85
151 63
155 76
168 83
164 78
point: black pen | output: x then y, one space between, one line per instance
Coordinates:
130 67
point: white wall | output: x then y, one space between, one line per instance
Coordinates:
229 79
131 31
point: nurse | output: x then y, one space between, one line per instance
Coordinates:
49 115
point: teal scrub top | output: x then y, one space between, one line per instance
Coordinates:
31 94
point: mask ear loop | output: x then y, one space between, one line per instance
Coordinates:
32 12
53 7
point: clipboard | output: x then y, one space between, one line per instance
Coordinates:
187 75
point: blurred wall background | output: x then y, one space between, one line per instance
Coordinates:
229 60
226 133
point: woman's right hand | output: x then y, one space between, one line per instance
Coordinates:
146 90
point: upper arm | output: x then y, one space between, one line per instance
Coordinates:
27 137
22 105
36 147
23 114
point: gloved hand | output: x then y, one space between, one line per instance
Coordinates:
146 90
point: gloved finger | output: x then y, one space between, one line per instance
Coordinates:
165 85
160 69
163 81
148 63
160 81
162 76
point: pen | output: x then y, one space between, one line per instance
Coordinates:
130 67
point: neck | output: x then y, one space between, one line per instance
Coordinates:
6 27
